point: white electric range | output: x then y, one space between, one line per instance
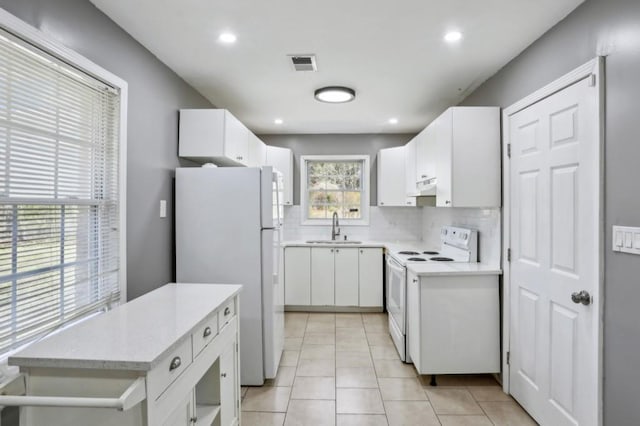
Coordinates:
457 245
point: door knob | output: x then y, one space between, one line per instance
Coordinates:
581 297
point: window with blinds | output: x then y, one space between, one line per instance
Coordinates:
59 196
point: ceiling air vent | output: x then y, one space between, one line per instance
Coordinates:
304 62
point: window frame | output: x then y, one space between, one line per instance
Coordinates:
365 191
48 44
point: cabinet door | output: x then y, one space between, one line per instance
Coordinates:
322 276
228 386
413 319
443 150
236 140
297 276
257 151
370 265
282 160
183 414
410 153
346 276
426 154
391 181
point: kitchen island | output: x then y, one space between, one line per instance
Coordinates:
169 357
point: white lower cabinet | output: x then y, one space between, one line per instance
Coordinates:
322 276
297 278
333 276
228 388
453 323
346 281
370 271
183 414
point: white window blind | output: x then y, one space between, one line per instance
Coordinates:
59 200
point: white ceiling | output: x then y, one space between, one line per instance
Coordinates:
391 52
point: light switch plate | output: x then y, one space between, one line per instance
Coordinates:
626 239
163 208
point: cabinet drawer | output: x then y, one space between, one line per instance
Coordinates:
204 334
172 366
226 313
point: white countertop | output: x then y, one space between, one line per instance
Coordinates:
452 268
133 336
420 269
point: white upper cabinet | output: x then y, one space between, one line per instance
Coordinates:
410 153
467 153
426 154
282 160
392 186
213 135
257 151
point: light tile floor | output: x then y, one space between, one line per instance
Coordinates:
342 369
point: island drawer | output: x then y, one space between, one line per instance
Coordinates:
226 313
169 369
204 334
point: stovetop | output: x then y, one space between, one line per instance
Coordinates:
457 245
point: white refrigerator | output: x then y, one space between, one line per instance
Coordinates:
228 231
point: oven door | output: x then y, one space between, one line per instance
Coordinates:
396 285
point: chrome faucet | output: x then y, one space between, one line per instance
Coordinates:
335 231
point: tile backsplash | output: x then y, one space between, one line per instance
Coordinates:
385 224
408 224
486 221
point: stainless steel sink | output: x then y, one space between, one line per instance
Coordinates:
338 242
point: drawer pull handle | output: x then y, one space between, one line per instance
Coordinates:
175 363
227 311
207 332
224 375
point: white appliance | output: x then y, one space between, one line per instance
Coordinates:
228 231
457 245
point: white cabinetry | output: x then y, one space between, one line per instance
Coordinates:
282 160
426 154
257 151
410 155
162 359
370 265
297 276
322 276
391 178
346 277
468 157
453 323
213 135
333 276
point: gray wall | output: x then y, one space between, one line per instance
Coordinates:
612 28
155 95
344 144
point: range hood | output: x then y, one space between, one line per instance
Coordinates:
425 188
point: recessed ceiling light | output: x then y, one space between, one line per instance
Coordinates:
227 38
278 121
393 121
453 36
335 94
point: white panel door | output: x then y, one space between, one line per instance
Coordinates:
370 264
391 181
322 277
297 276
346 276
554 175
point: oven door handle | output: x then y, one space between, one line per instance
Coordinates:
392 264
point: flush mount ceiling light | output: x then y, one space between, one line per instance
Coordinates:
278 121
335 94
452 36
393 121
227 38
